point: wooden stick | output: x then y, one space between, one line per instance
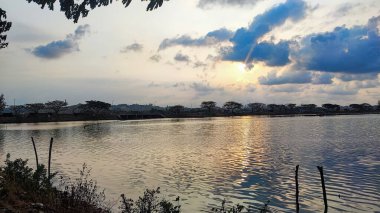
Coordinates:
297 191
320 168
35 151
50 148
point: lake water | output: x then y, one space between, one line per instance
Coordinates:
246 160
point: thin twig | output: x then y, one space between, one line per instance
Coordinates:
320 168
297 191
35 151
50 148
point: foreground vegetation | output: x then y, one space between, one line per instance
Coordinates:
23 189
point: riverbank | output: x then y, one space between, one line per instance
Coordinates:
136 116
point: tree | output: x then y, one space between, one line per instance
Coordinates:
232 105
355 107
2 102
17 109
72 9
209 105
35 108
4 27
331 107
96 107
176 109
256 107
56 105
75 10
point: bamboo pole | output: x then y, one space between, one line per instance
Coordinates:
35 151
320 168
297 191
50 148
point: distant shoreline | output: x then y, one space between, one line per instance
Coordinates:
13 120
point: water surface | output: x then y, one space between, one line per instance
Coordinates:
246 160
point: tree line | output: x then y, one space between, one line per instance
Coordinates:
96 108
55 107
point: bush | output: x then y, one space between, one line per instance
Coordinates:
82 194
149 203
20 184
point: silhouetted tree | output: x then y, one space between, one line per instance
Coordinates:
209 105
2 102
74 10
17 109
96 107
256 107
291 106
331 107
232 105
176 109
366 106
4 27
35 108
56 105
356 107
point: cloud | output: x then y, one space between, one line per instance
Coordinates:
156 58
339 90
153 84
289 77
57 49
353 50
199 64
287 89
203 89
179 57
210 38
322 78
270 53
246 47
345 9
357 77
135 47
250 88
296 77
209 3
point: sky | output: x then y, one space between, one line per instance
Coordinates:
186 52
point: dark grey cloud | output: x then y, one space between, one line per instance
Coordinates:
270 53
210 38
322 78
179 57
296 77
203 88
153 84
211 3
156 58
339 90
57 49
246 47
135 47
345 9
356 77
199 64
286 89
353 50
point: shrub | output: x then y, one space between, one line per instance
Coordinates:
149 203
